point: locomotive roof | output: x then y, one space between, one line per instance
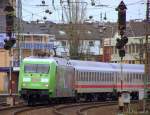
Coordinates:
40 59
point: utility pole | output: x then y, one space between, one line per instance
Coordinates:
147 22
147 53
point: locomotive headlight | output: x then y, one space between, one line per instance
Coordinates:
26 79
45 80
46 85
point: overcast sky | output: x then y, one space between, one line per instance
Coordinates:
31 9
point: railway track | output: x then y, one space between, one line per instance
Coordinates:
61 109
27 109
9 109
78 109
55 109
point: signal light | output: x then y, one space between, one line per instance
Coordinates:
121 42
124 40
9 43
122 53
120 45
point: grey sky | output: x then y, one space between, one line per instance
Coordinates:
136 9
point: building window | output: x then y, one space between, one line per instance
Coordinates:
63 43
91 43
130 48
133 48
137 48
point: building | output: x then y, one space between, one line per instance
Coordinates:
135 52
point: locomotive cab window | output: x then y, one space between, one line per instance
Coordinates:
36 68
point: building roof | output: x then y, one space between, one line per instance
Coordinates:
86 31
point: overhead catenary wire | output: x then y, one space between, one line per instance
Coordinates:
58 8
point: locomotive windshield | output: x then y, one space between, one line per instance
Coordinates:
36 68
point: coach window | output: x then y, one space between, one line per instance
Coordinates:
137 77
96 76
79 75
88 77
92 76
102 76
84 75
140 76
111 77
107 77
132 77
99 76
127 77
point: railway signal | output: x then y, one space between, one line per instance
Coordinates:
121 28
9 11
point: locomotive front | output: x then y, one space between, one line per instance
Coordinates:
36 80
